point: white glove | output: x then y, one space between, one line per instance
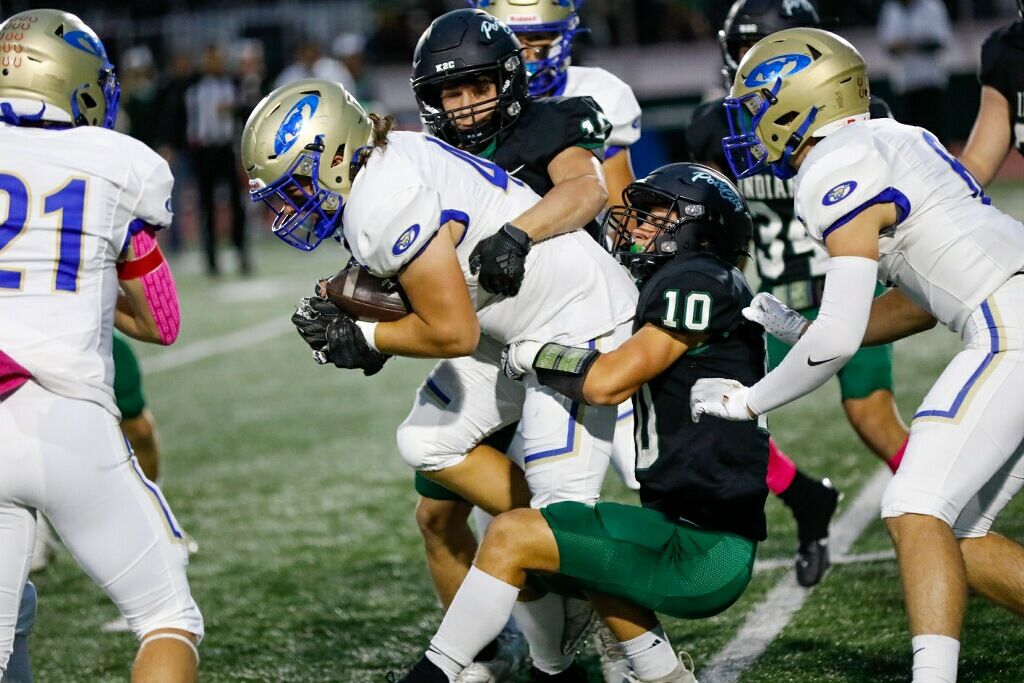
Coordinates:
517 358
718 397
778 319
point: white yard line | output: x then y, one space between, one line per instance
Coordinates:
859 558
766 621
207 348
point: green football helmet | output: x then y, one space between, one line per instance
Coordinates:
301 148
54 69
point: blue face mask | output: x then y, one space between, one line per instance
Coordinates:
106 78
745 152
304 213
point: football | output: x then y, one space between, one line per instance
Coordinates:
365 296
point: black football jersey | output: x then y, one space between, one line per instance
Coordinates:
1002 68
547 127
711 473
784 251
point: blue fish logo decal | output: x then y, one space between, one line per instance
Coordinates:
782 66
293 123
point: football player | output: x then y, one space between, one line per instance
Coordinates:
546 28
690 549
1000 122
791 267
79 256
888 201
416 208
460 66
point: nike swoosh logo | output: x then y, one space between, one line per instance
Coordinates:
517 170
918 650
812 363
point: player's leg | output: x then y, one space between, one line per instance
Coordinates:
118 527
866 388
448 542
994 563
17 532
238 236
19 666
969 427
206 183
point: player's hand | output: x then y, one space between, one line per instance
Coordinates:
517 358
778 319
311 319
718 397
346 347
501 260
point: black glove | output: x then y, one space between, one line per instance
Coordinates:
347 348
311 319
501 260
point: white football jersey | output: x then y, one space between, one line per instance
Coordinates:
573 290
950 249
614 97
68 197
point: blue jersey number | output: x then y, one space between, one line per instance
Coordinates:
69 200
493 173
972 184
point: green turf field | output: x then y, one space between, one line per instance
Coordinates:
311 568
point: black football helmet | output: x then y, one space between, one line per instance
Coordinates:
751 20
698 209
469 44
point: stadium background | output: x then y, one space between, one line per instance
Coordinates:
310 566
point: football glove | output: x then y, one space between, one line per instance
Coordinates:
719 397
347 348
501 260
311 319
517 358
778 319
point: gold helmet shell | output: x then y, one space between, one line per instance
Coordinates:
297 149
791 86
53 67
549 71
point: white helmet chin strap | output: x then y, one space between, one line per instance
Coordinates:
830 128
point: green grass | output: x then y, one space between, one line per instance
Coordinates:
311 567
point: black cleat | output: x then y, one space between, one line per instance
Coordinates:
813 515
574 674
812 562
424 671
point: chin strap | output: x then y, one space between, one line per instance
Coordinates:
782 168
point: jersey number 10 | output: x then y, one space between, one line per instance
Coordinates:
69 201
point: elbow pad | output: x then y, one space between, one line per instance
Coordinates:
564 368
157 281
829 342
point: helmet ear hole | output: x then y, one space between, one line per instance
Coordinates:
786 118
87 100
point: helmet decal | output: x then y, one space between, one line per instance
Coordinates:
490 28
782 66
406 240
293 123
724 191
839 193
87 42
791 6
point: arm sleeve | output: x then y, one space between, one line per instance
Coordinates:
690 302
829 342
844 182
388 235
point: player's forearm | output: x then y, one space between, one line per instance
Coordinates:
414 337
613 378
618 174
829 342
893 317
568 206
148 308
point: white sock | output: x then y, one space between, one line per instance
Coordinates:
935 658
476 616
651 655
542 622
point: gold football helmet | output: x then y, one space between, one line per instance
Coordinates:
298 149
549 72
791 86
54 68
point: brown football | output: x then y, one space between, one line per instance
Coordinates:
367 297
